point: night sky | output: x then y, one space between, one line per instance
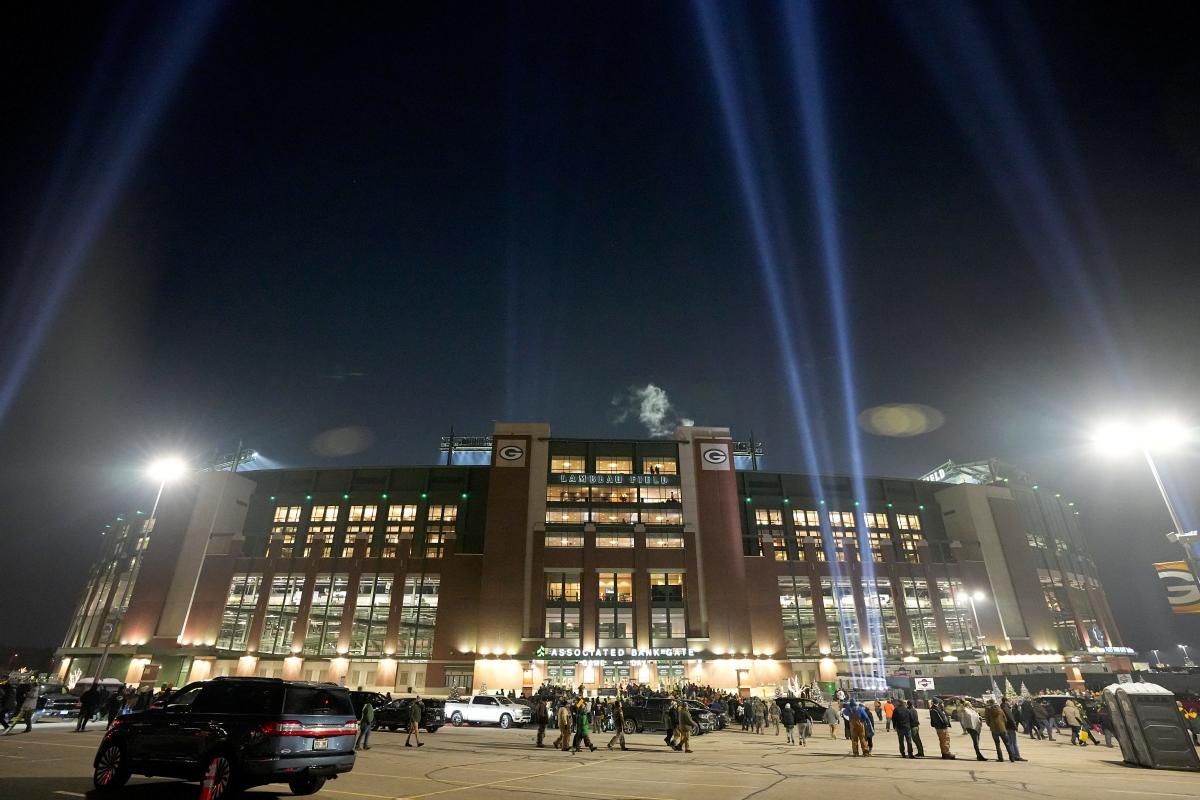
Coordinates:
225 222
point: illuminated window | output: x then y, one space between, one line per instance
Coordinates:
799 620
564 540
283 604
662 517
769 522
615 612
567 464
919 609
883 626
659 494
325 614
439 528
350 547
841 619
566 516
559 493
239 612
418 616
803 518
617 540
324 514
956 616
840 540
359 530
372 607
401 524
908 522
614 465
878 521
1036 541
610 516
908 546
664 539
667 610
285 528
658 465
614 494
562 605
841 519
363 513
320 538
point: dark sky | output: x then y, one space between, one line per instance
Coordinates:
232 221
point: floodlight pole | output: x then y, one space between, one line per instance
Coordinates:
1179 530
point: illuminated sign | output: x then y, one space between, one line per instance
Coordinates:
615 652
1182 592
601 479
714 456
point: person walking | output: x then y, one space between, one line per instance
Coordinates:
972 724
8 703
563 742
87 707
804 727
903 728
859 719
1012 728
914 722
774 715
939 720
583 727
673 723
416 713
618 718
1027 717
1074 720
760 715
888 710
997 723
832 718
366 719
541 718
788 718
28 702
684 729
878 710
1040 715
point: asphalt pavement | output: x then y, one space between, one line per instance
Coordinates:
53 762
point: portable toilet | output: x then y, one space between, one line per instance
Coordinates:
1149 728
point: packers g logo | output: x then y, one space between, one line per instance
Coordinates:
715 455
511 452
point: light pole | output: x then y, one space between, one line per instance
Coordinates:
1187 662
164 470
1162 435
1157 660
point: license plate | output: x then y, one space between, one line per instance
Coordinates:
320 744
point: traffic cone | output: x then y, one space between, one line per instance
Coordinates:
210 777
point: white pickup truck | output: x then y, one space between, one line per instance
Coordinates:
486 709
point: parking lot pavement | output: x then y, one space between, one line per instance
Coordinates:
54 762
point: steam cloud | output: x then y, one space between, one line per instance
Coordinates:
652 407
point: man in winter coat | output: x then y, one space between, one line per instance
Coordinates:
888 710
997 723
1026 716
788 718
1011 729
860 718
1040 717
1074 719
684 728
541 718
914 728
563 742
902 725
760 715
774 715
618 717
971 722
365 720
583 727
832 718
112 706
939 720
673 723
87 707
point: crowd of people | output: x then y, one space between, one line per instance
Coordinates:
19 702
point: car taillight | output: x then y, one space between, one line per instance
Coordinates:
292 727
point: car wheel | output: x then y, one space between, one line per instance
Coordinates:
696 731
505 721
456 719
112 768
309 784
220 767
629 726
432 729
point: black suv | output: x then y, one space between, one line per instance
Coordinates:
394 715
809 708
244 731
650 714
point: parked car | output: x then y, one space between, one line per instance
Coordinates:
814 710
359 699
394 715
487 709
243 731
55 702
650 714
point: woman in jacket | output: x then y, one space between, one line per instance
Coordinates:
832 718
583 727
1073 719
971 723
788 718
997 723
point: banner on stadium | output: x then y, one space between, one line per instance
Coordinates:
1182 591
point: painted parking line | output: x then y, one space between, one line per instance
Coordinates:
624 771
499 782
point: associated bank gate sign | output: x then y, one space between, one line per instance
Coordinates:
575 653
604 479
